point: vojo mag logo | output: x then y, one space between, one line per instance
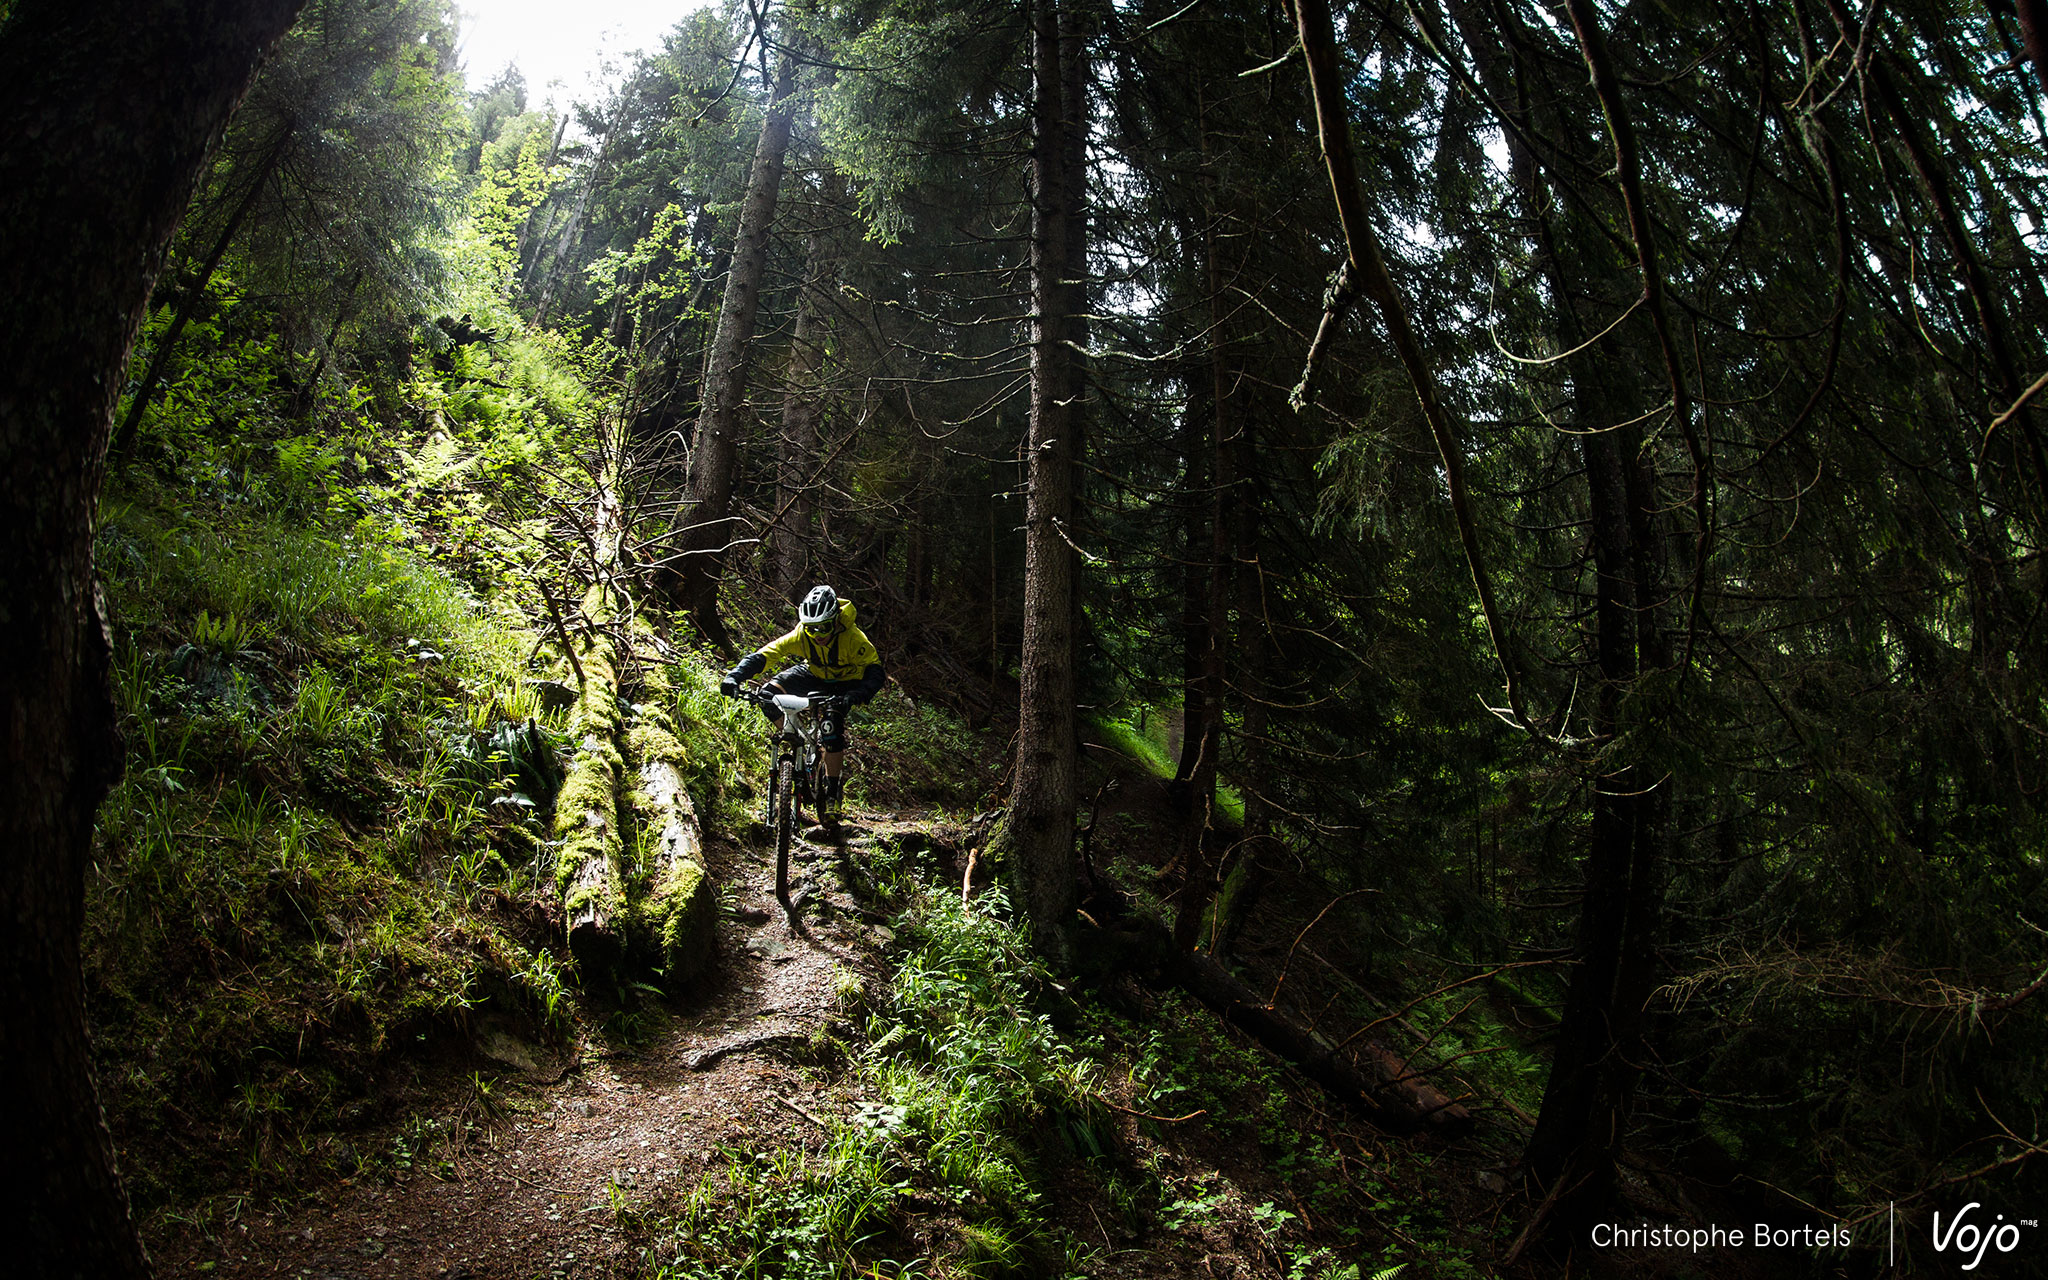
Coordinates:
1972 1239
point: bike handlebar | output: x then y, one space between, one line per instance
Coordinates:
761 695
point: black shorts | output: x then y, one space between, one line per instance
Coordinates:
799 680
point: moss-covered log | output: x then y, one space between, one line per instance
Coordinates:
587 813
673 923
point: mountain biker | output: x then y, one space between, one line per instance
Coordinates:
827 657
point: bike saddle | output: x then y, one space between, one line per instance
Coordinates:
792 702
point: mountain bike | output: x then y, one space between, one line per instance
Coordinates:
794 780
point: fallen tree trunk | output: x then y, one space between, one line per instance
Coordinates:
625 779
587 811
1369 1076
674 923
1372 1079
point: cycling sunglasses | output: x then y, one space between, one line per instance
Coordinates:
819 628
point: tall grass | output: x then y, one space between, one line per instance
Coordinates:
286 881
265 581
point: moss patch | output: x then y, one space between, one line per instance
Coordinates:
675 921
588 870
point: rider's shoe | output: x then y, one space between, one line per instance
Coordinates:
829 801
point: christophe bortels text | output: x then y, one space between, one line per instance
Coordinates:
1609 1235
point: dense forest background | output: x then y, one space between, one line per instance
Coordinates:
1549 496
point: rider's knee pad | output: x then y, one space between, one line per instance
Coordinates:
834 741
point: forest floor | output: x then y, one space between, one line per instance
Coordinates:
578 1145
576 1161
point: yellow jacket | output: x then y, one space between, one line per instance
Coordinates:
846 654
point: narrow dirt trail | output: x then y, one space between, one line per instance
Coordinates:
538 1191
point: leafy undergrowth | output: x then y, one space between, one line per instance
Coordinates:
1002 1124
966 1087
917 754
327 855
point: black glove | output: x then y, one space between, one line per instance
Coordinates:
729 687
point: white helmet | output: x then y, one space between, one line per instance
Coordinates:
820 608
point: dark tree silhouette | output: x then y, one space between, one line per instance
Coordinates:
108 114
715 461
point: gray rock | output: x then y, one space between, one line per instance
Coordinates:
500 1047
554 695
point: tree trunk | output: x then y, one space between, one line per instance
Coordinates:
1255 657
798 453
557 266
716 458
917 557
802 406
676 918
547 226
560 264
1194 603
1364 1074
1381 1084
2034 38
1037 836
110 113
1075 79
302 396
1579 1126
1199 881
589 867
1598 1061
589 823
